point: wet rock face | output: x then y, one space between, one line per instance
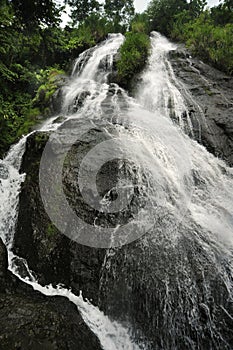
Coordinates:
160 286
51 255
3 262
210 105
3 172
33 227
30 320
170 291
163 289
40 323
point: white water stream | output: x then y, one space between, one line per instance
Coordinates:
156 138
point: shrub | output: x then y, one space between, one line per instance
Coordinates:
212 43
140 23
49 81
133 57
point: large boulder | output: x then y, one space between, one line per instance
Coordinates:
29 320
51 255
35 322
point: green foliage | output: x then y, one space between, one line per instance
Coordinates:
35 12
119 12
228 4
140 23
212 43
90 32
51 230
19 112
82 9
81 37
223 13
31 43
28 121
196 7
178 27
133 57
16 118
162 13
207 33
49 83
97 28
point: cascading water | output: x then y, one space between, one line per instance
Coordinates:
175 284
112 335
89 77
184 290
158 90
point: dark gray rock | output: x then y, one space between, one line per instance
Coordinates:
79 101
173 292
169 291
39 323
51 255
3 172
30 320
3 262
210 105
57 98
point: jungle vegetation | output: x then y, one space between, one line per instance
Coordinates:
36 51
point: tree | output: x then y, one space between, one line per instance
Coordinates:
36 12
162 13
140 23
82 9
196 7
119 11
223 13
228 4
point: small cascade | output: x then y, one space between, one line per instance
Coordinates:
89 79
158 90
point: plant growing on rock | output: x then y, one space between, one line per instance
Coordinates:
133 57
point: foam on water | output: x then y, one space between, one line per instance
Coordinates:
112 335
182 177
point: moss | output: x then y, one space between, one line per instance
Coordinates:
41 137
208 91
51 230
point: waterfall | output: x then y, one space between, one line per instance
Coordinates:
112 335
90 75
185 195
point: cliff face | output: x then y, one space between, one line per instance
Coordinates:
162 288
30 320
51 255
208 94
